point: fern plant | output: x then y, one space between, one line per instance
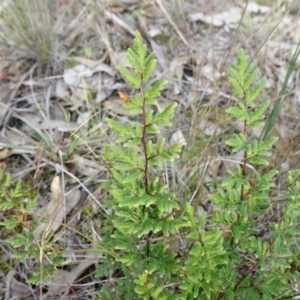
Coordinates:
256 262
16 200
143 210
225 255
18 223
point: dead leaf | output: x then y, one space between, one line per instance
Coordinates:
17 142
160 54
82 122
176 72
57 209
283 134
73 76
61 90
295 7
95 65
4 153
39 123
3 165
14 288
5 95
230 17
209 128
87 167
65 279
77 97
178 138
214 166
4 73
256 8
124 97
102 95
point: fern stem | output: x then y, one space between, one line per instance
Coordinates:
144 141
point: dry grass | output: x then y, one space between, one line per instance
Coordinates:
54 124
31 27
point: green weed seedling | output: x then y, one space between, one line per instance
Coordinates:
241 264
